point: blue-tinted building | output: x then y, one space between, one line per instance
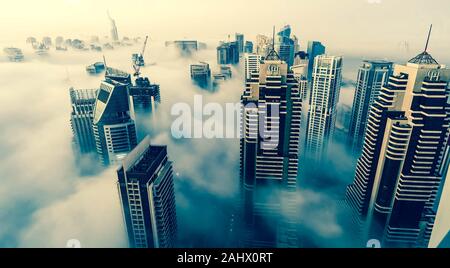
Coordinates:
315 49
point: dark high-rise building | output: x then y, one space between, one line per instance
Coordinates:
145 183
285 45
271 117
240 42
398 174
315 49
248 48
81 118
201 74
144 98
372 75
186 47
113 124
228 53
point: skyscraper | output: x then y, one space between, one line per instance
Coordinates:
372 75
325 89
248 48
201 74
398 174
81 119
300 70
228 53
113 124
315 49
252 63
114 33
271 116
285 45
144 99
240 42
263 45
146 191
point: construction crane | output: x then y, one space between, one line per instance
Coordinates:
138 60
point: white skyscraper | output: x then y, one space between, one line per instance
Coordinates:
252 64
113 123
326 85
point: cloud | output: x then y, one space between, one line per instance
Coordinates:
45 199
91 215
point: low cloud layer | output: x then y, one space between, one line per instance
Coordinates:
44 201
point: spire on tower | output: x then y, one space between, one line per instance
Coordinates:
424 57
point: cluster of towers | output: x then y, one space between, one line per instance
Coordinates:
399 129
107 122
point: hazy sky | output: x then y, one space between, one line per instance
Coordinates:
356 26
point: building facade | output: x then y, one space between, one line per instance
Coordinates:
240 42
325 89
81 119
228 53
285 45
372 75
113 124
201 75
398 175
252 64
269 148
146 191
315 49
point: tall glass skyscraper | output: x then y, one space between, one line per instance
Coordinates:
399 172
315 49
240 42
271 117
145 183
325 89
81 119
228 53
113 123
372 75
285 45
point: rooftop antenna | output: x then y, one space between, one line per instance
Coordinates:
428 38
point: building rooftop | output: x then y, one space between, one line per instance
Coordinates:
423 58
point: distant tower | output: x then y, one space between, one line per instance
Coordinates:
228 53
144 99
399 174
201 75
315 49
145 183
285 46
114 33
240 42
248 47
372 75
252 63
325 89
271 116
114 125
81 118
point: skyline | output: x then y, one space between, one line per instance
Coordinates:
66 180
378 32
